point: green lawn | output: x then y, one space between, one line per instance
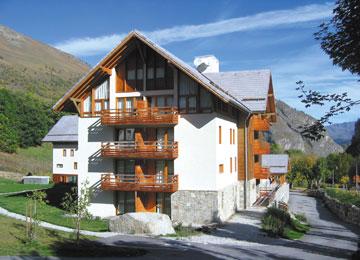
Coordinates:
7 185
53 243
344 196
50 214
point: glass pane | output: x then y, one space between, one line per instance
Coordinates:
169 101
130 134
161 101
106 104
129 104
167 204
130 167
87 104
139 74
130 201
170 167
98 106
120 104
192 104
120 167
160 73
121 135
182 103
131 74
205 99
150 73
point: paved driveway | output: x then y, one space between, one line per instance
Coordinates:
241 238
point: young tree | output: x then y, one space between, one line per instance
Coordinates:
340 39
303 165
77 203
36 200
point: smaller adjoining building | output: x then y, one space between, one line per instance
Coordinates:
64 137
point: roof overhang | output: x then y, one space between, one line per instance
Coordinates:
102 69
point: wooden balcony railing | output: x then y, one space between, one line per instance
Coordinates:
261 124
260 172
140 150
132 182
141 116
261 147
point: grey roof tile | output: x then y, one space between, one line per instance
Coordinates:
250 87
65 130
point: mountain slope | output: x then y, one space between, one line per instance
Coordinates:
342 133
33 67
286 133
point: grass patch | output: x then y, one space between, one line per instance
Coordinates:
7 185
51 214
53 243
37 160
278 223
181 231
344 196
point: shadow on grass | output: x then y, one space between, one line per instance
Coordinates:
91 248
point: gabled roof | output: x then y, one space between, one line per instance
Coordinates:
110 61
65 130
277 163
250 87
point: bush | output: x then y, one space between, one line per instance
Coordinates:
275 220
344 196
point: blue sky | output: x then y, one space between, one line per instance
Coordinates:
243 35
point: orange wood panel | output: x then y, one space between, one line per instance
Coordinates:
120 78
145 202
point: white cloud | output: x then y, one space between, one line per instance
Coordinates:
98 45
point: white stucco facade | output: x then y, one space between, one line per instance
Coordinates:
91 134
65 158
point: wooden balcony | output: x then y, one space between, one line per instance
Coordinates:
261 147
132 182
260 172
141 116
260 124
140 150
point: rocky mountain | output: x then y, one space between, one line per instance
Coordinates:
342 133
33 67
286 132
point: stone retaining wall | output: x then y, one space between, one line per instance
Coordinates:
348 213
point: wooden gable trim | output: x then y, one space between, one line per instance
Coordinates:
114 56
106 70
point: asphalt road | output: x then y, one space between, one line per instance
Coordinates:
241 238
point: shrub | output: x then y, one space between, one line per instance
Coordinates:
275 220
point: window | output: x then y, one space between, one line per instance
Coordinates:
72 152
231 166
87 104
59 165
102 96
256 135
205 101
256 158
219 134
75 165
64 152
221 168
231 138
188 94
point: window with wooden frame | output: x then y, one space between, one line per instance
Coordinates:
231 165
72 153
102 96
87 105
220 135
64 152
231 138
161 101
75 165
188 94
159 75
235 164
221 168
206 101
134 71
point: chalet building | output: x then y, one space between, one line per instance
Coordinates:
157 135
